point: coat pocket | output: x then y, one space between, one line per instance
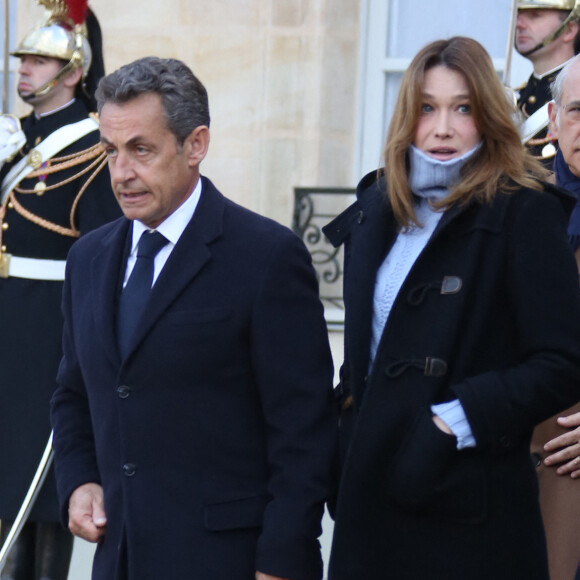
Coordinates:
235 514
429 475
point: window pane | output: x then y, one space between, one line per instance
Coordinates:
414 23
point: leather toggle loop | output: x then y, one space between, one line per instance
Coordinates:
431 367
418 293
449 285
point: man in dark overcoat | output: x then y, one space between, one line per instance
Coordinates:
194 438
55 189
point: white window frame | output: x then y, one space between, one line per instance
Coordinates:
373 67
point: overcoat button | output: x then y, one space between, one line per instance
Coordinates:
123 391
361 217
129 469
505 441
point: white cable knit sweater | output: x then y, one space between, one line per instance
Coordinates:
429 179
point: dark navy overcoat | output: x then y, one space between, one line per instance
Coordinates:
214 438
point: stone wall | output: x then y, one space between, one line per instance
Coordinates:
281 76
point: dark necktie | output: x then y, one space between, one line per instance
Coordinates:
136 292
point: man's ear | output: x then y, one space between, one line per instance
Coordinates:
73 78
570 32
552 113
196 145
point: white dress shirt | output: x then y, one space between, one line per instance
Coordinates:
171 227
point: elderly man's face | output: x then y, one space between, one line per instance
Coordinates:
565 120
151 174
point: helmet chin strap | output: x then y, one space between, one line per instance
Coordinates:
49 85
574 14
43 90
550 38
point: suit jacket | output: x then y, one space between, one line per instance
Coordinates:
214 438
488 314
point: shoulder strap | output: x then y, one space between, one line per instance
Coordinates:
55 142
534 123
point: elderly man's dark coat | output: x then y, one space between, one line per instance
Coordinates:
214 438
489 314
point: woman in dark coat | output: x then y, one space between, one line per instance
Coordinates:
462 332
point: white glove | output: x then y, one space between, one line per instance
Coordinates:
12 138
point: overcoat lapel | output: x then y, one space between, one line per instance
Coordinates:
373 235
187 259
105 280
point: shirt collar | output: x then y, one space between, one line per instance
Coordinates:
55 110
174 225
552 71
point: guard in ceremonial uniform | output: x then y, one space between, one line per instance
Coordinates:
55 188
546 33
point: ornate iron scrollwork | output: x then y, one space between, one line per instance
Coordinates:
314 207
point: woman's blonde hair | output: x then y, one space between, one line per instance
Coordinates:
500 162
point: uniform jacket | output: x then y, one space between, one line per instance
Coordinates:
489 314
533 96
214 438
43 226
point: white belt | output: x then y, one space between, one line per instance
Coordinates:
31 268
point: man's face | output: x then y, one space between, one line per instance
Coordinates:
151 174
532 26
36 71
565 120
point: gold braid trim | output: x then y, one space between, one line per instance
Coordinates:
540 141
96 147
72 232
84 187
78 158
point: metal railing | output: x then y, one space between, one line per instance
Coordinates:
314 207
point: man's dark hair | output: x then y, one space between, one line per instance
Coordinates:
183 96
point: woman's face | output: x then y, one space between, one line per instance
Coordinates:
446 128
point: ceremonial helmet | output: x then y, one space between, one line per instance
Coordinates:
62 35
573 6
